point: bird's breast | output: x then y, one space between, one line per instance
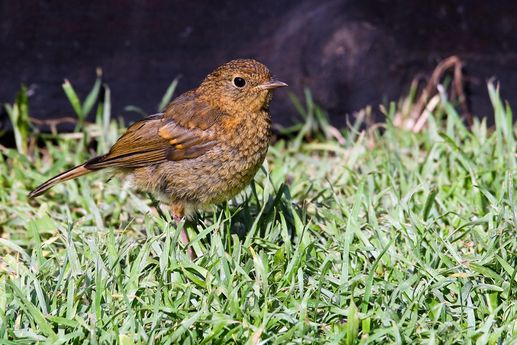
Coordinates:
241 152
247 140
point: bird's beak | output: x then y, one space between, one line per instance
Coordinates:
272 84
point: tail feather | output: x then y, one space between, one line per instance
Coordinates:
77 171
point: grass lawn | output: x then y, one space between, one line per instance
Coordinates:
376 236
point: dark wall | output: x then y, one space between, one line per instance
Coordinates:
350 53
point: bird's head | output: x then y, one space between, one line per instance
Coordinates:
240 86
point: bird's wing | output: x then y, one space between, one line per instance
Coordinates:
183 131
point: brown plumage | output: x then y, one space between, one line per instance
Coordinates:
203 149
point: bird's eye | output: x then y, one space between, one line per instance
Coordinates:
239 82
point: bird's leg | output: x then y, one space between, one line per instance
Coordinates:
177 215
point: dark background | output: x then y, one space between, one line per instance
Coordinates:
349 53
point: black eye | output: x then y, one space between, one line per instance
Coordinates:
239 82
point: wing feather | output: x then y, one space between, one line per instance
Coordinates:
183 131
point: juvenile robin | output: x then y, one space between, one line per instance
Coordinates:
203 149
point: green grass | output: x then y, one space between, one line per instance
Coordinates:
383 236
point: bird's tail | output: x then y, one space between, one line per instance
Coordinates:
77 171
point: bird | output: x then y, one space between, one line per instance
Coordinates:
203 149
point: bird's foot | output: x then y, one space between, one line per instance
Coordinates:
184 237
178 212
186 241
